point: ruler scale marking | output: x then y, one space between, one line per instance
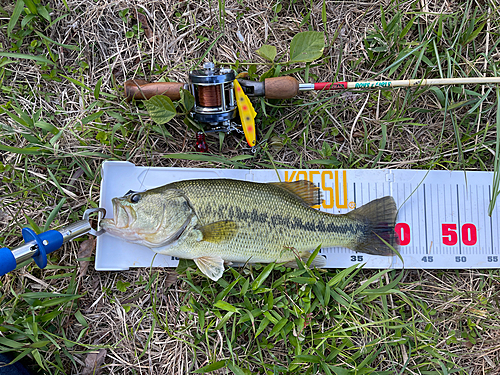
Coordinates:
491 222
427 249
458 219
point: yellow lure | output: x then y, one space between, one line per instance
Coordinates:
247 114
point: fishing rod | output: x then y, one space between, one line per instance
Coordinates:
37 246
288 87
217 102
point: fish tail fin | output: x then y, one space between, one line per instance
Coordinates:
379 217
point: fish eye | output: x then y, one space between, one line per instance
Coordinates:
135 198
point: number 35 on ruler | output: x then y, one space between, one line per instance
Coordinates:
450 232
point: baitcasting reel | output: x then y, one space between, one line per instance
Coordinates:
214 93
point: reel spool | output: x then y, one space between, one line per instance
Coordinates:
213 91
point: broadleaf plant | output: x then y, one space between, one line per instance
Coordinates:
267 52
161 109
307 46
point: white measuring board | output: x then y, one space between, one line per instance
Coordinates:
442 221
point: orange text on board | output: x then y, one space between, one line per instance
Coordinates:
332 185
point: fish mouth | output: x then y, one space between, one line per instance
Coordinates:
123 217
121 226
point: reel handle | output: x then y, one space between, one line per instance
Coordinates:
140 89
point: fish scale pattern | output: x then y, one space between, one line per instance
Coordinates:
270 222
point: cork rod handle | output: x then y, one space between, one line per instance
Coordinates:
281 87
139 89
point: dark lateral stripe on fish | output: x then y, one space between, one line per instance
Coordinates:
288 222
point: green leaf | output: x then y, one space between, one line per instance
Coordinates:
339 370
187 100
224 320
92 117
226 290
183 265
307 46
10 343
304 280
146 346
225 306
475 33
262 326
122 286
76 82
101 136
31 6
6 62
81 319
262 277
20 119
24 151
439 94
267 52
367 282
58 301
27 19
211 367
161 109
33 225
97 89
53 214
306 358
15 16
496 165
277 328
36 354
27 57
40 344
235 369
46 126
313 256
43 12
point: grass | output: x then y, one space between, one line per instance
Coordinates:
62 114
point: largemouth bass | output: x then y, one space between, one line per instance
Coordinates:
220 221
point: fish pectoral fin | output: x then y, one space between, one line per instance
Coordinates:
304 190
318 262
219 231
212 266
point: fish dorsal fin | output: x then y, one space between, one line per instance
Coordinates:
219 231
303 189
212 266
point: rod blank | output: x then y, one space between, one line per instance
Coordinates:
397 83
